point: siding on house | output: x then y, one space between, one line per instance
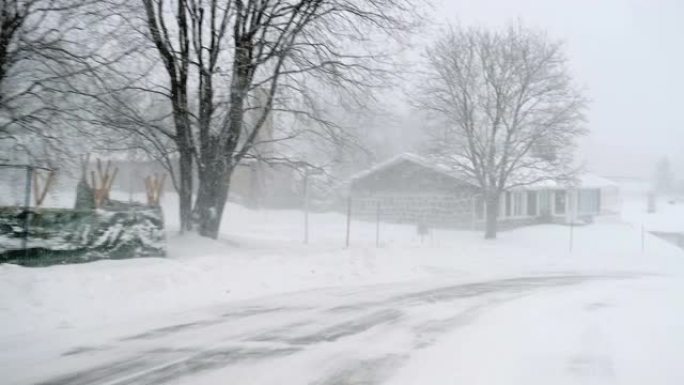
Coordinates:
408 189
410 192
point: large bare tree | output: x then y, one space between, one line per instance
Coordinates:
509 108
216 71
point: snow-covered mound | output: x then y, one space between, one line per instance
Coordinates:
261 253
69 236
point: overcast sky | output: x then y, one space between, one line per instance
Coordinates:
628 54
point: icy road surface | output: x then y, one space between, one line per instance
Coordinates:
581 328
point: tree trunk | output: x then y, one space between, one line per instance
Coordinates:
491 219
217 167
185 190
211 199
217 153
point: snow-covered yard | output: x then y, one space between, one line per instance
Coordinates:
262 253
669 215
627 332
48 311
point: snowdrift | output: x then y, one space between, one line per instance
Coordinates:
55 236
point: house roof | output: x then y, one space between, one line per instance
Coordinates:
585 180
411 158
592 180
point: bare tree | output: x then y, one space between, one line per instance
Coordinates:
511 112
39 51
227 67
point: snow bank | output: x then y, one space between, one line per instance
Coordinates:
668 218
261 253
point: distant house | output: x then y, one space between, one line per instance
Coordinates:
259 184
411 189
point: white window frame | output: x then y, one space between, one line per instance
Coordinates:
553 203
503 209
545 196
537 202
596 198
518 204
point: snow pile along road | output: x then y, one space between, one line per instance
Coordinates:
261 254
52 313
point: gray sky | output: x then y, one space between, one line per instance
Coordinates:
628 54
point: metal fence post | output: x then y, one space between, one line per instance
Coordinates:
572 228
349 208
306 206
377 225
27 207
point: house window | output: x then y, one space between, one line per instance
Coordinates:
545 203
514 204
532 203
589 201
518 200
560 197
508 204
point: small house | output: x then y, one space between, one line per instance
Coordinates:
411 189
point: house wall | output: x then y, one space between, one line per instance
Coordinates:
429 208
411 193
608 198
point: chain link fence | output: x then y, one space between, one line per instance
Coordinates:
15 204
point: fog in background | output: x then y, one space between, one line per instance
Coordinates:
627 54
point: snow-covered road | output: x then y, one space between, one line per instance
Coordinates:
258 307
527 328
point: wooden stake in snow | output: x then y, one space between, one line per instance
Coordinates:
106 180
154 185
41 185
